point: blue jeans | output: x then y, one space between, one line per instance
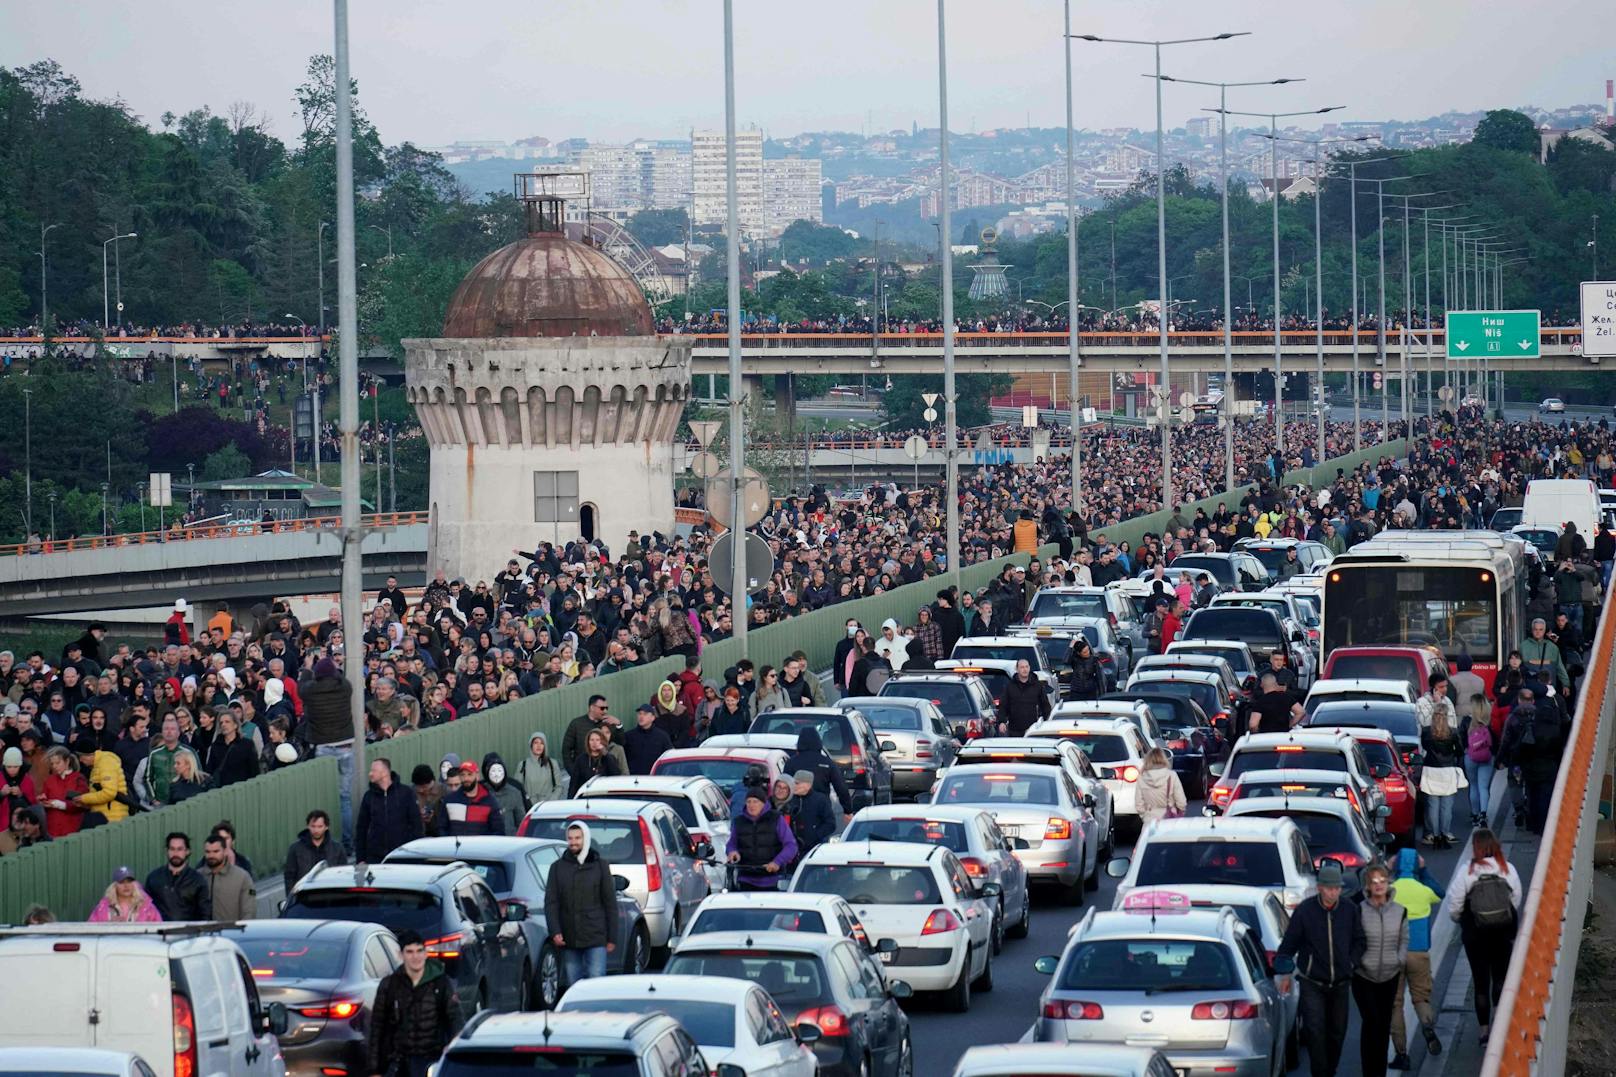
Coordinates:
1480 777
1439 814
585 964
343 754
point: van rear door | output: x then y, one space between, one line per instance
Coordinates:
134 998
50 1001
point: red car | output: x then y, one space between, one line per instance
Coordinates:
1403 662
1395 777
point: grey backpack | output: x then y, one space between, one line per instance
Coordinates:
1490 902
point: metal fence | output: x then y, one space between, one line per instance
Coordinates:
1530 1025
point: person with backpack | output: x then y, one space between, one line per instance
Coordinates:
1485 903
1476 734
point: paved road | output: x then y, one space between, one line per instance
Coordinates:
1006 1014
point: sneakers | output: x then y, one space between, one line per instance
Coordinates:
1448 839
1430 839
1483 1033
1402 1062
1433 1042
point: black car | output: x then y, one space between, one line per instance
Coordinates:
825 980
482 945
1229 571
1194 741
966 699
848 738
1256 626
325 973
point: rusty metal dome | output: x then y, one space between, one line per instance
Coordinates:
546 285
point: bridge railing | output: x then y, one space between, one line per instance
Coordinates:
213 531
1531 1023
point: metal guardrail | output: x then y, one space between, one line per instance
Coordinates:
1533 1014
194 534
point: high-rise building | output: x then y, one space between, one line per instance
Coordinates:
791 192
639 175
709 200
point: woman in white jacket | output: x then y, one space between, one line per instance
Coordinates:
1160 794
1486 903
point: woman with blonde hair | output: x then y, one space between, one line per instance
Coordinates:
1442 775
189 780
1160 794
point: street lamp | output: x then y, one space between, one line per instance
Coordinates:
52 496
946 241
1380 315
28 459
1352 176
1405 368
1228 339
106 313
106 529
1073 412
1161 242
45 230
1273 130
319 242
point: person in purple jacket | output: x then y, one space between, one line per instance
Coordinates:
760 843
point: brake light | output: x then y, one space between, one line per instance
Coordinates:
1112 618
1288 748
923 750
1348 860
1394 785
184 1037
445 947
1352 798
339 1009
653 860
1220 793
1129 773
1073 1011
831 1021
939 922
974 867
1057 829
261 973
1105 659
1221 716
1232 1010
1178 743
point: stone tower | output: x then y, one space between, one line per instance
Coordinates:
549 403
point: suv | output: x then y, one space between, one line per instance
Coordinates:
1229 571
848 739
922 740
483 947
1064 607
1268 854
1300 749
1310 556
1259 628
645 843
702 805
963 698
621 1044
1003 652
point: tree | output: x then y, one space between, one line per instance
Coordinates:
904 403
226 463
814 243
1506 129
659 227
1576 164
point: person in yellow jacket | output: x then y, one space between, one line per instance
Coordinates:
104 771
1026 533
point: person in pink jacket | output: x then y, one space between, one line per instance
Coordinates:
125 902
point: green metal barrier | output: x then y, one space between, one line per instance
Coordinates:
70 876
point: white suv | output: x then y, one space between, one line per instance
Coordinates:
1268 854
1115 748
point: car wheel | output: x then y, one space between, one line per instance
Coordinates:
984 982
1021 928
547 986
906 1059
638 960
1074 893
997 932
524 990
958 998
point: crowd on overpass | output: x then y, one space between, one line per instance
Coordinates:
87 327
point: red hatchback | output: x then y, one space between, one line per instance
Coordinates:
1402 662
1395 777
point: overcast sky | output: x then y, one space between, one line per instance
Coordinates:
434 71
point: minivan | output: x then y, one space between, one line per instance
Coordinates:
1556 502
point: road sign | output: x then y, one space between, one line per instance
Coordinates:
1186 399
1445 393
915 447
1089 415
1493 333
1598 317
1029 415
759 562
704 429
161 487
929 398
754 497
705 465
930 415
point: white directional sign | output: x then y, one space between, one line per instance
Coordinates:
929 398
1598 317
1029 415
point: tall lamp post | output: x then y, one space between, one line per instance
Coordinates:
1273 132
945 240
737 404
319 243
45 230
1165 412
1227 403
1352 174
106 305
1074 413
1380 313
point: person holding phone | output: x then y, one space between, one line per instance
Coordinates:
64 784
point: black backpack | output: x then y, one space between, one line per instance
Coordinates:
1490 902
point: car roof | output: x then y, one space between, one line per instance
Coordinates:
1386 685
1195 923
727 989
1293 774
899 853
792 712
609 807
649 783
952 813
1093 724
1227 893
412 876
769 899
1327 737
994 641
1190 828
927 675
1207 642
858 702
1336 806
336 930
769 941
1072 708
66 1059
476 847
778 741
575 1028
1102 1060
707 751
1175 673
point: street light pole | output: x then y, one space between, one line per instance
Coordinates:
106 306
1165 410
946 237
319 241
28 460
737 405
44 316
1074 413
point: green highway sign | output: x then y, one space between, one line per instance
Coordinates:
1492 333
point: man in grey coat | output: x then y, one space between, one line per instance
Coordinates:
232 894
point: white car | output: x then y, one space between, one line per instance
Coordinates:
1269 854
703 807
77 1061
1050 751
1357 689
1115 747
1552 406
1131 710
818 914
1061 1059
922 898
734 1022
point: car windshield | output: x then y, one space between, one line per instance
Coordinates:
1247 913
726 771
944 832
1204 694
1211 860
891 717
1237 659
1286 757
679 802
1058 649
1400 722
395 909
994 652
1377 753
832 729
975 786
616 840
1067 605
1099 747
1314 702
1149 965
1324 833
790 979
950 697
1271 558
869 884
294 959
750 919
551 1062
1216 567
1379 667
710 1024
1243 623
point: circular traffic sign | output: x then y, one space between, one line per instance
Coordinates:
704 465
1185 399
930 415
754 497
915 447
759 562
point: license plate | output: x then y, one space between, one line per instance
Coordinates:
886 958
1179 1071
1010 831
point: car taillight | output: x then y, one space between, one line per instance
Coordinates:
184 1037
1233 1010
940 921
974 867
1057 829
1352 798
521 828
1112 618
1180 743
1347 860
1105 659
653 860
1220 793
858 758
1056 1010
831 1021
923 749
339 1009
699 836
445 947
1128 774
1394 785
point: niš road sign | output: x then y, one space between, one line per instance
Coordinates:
1493 333
1598 317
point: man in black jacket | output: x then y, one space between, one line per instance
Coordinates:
177 889
644 744
1025 701
1326 939
388 815
313 846
415 1014
810 756
813 820
948 619
580 905
328 728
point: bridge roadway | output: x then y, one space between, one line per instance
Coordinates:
919 353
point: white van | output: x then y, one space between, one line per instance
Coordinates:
1552 503
181 996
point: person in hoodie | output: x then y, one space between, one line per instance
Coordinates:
471 809
276 705
428 795
580 905
314 845
125 902
810 756
387 815
541 776
415 1014
509 793
1416 890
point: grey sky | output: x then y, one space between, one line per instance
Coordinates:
432 71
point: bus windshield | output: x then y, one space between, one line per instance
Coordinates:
1453 607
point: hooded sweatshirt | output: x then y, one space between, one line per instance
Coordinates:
580 897
541 779
810 755
1418 892
509 794
106 910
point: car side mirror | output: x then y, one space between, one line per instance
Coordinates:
1283 965
807 1033
889 746
272 1020
1216 770
1385 841
704 851
899 989
989 890
1046 965
886 946
1117 866
620 883
514 911
923 798
280 906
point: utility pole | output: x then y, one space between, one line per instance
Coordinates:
737 404
1074 412
45 230
946 236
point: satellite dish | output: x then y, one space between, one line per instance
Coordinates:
755 500
758 568
915 447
